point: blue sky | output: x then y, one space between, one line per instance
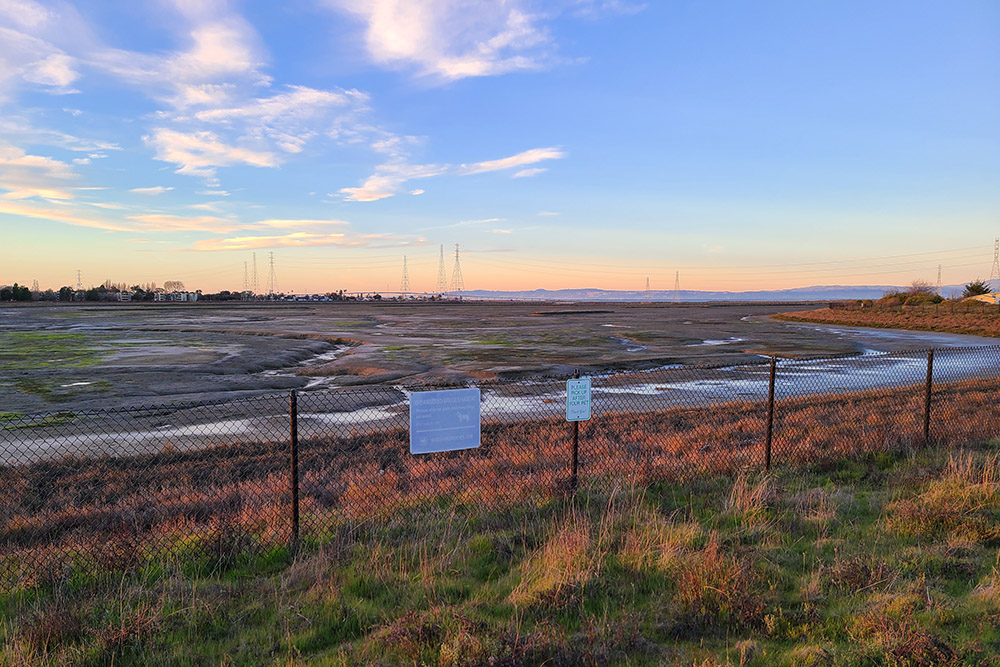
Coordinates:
569 143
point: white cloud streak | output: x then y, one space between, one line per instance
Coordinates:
521 159
389 178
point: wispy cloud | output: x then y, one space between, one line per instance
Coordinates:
452 39
599 8
295 240
519 160
27 133
285 224
161 222
528 173
155 190
389 178
29 210
200 153
25 175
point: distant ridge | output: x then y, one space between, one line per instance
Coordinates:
814 293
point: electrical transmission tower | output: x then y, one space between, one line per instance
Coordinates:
34 286
79 281
649 294
677 287
457 281
272 280
254 284
939 280
246 282
995 271
442 281
404 285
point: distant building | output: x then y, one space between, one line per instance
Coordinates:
175 296
124 296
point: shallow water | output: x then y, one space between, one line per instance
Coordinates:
659 389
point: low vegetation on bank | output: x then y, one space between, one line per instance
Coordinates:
887 558
975 319
920 308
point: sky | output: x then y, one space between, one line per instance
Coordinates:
561 144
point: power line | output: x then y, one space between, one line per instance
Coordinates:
837 261
916 264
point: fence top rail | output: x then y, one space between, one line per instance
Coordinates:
11 419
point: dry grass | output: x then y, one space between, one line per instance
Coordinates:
963 504
977 320
117 513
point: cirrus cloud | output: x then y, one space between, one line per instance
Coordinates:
521 159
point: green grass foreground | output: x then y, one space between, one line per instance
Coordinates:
887 559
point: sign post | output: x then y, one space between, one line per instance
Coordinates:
577 410
444 421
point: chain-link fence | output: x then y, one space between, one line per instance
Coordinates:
206 483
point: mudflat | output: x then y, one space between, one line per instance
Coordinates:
79 357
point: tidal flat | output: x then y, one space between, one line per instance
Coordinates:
79 357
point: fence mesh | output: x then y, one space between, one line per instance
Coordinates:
203 483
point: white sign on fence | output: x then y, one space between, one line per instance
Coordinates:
443 421
578 400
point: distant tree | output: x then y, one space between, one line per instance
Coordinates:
921 287
174 285
976 287
66 293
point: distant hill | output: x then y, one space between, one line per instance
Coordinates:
814 293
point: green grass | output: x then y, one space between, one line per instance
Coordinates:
35 350
17 421
53 390
888 559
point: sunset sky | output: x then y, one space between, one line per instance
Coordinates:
564 143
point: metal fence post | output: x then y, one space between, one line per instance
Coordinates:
927 395
293 422
770 415
574 480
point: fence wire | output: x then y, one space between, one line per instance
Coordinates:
203 483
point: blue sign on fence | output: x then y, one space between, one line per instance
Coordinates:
443 421
578 400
